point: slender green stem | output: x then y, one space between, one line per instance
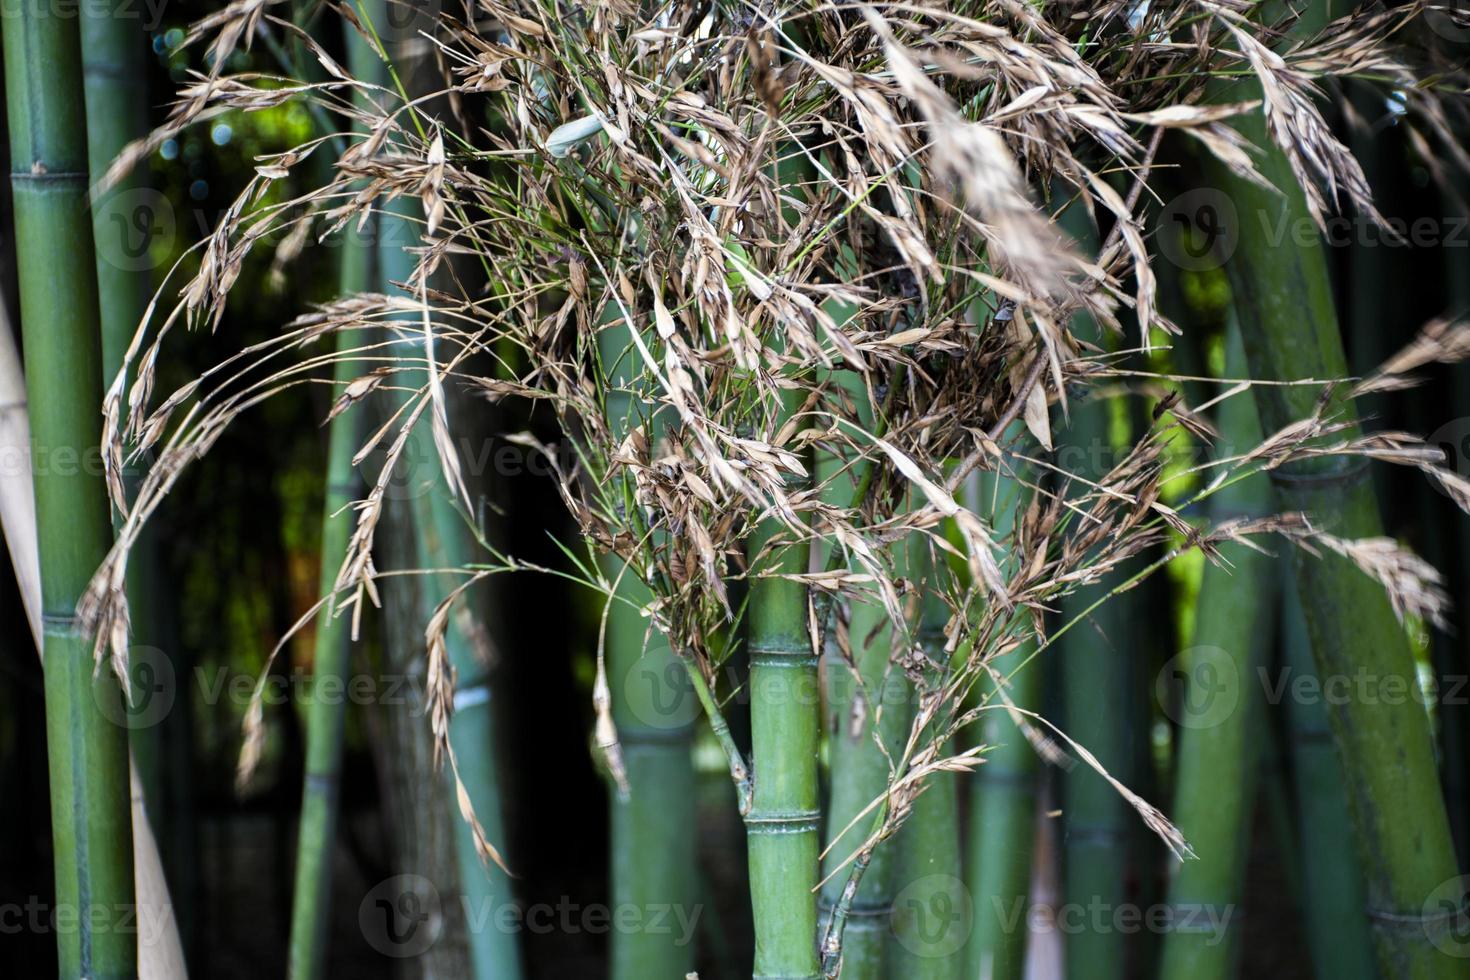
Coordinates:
654 708
1001 837
1332 879
1219 712
1096 690
1290 329
311 905
87 752
115 58
932 914
867 706
782 822
312 898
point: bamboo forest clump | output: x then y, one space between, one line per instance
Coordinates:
787 284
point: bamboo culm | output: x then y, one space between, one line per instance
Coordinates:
867 705
312 897
1331 878
115 56
856 692
1001 838
1219 713
87 749
653 854
1095 664
783 817
931 910
1284 299
443 540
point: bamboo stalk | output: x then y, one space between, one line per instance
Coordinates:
1332 880
1290 330
866 705
87 753
115 55
1220 717
428 826
431 832
441 542
444 542
115 66
859 775
1097 674
932 913
1001 838
653 823
164 958
653 826
316 836
782 821
312 894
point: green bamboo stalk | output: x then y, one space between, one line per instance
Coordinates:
653 840
443 541
1219 716
1332 881
782 821
1290 330
311 899
931 911
87 753
857 699
421 815
115 55
1095 665
654 862
115 67
783 815
859 774
1001 838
